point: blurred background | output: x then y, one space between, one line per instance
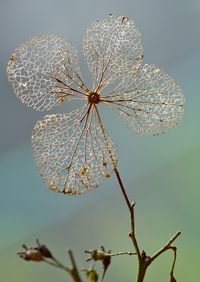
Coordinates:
161 173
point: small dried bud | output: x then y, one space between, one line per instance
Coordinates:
31 254
100 255
91 274
143 255
35 254
96 255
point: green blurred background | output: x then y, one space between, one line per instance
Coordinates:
162 174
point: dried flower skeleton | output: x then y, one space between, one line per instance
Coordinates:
73 150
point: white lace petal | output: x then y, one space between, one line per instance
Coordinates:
148 99
41 70
111 47
72 151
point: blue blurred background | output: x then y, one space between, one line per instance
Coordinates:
161 173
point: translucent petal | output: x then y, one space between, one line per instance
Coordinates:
111 47
42 70
72 151
148 99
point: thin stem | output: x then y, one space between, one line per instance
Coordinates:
166 247
131 210
57 264
121 254
123 190
74 271
172 279
142 263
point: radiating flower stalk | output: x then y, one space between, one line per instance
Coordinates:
73 151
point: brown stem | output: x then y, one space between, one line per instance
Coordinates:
142 265
131 210
57 264
166 247
123 189
173 265
143 260
74 271
141 272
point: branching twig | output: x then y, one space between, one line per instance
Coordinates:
166 247
143 260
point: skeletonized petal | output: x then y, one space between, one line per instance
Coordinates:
40 70
111 47
72 151
148 99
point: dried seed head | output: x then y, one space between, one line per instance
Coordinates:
44 72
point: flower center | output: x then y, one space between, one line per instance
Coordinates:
94 98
